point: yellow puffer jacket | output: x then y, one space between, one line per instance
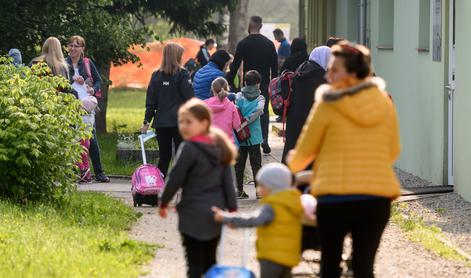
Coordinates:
353 136
280 241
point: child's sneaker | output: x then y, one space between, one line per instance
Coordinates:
242 195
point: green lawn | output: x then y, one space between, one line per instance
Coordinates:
125 110
85 238
125 114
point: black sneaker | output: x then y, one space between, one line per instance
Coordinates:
242 195
102 178
266 148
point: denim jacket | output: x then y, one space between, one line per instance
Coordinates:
95 75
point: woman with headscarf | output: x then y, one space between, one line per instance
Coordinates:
298 55
310 75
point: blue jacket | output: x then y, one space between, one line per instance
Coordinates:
251 110
203 79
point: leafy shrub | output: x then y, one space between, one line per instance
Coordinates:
39 132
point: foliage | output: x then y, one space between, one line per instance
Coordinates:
83 238
109 26
39 133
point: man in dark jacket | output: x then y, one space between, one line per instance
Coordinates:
257 53
202 57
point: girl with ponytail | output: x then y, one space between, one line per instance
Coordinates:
225 115
202 169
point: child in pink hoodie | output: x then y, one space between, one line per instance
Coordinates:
225 115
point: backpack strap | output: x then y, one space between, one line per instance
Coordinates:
88 69
205 53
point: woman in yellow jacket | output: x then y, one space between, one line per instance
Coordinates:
352 135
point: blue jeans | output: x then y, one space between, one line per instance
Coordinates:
95 154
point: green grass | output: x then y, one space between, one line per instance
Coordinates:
108 156
427 235
84 238
126 110
125 114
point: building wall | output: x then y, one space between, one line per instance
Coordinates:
417 86
420 99
463 100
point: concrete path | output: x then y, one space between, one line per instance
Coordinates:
397 256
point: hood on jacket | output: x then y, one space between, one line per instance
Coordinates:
289 198
217 105
365 103
251 92
308 69
16 55
212 152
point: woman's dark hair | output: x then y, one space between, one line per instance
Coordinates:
357 58
220 58
333 41
298 45
209 41
252 77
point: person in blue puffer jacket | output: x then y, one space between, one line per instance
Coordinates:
218 63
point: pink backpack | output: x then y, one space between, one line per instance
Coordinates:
147 181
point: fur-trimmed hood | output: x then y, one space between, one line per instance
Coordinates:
365 103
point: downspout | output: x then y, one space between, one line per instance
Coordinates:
362 22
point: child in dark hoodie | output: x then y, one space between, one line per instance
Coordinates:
202 169
250 103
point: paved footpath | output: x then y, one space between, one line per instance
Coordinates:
397 257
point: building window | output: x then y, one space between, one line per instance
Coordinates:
424 26
386 24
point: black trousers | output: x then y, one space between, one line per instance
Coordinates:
255 156
200 255
165 137
365 220
94 152
265 118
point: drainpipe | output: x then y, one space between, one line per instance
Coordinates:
362 23
302 19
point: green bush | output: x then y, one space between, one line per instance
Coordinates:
40 128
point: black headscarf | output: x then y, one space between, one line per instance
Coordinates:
298 45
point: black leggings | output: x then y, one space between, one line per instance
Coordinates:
365 220
255 157
200 255
165 137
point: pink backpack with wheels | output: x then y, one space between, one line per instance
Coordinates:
147 181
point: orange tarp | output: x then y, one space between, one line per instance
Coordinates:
131 76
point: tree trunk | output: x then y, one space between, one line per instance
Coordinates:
238 24
103 102
223 39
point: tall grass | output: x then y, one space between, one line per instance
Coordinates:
83 238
